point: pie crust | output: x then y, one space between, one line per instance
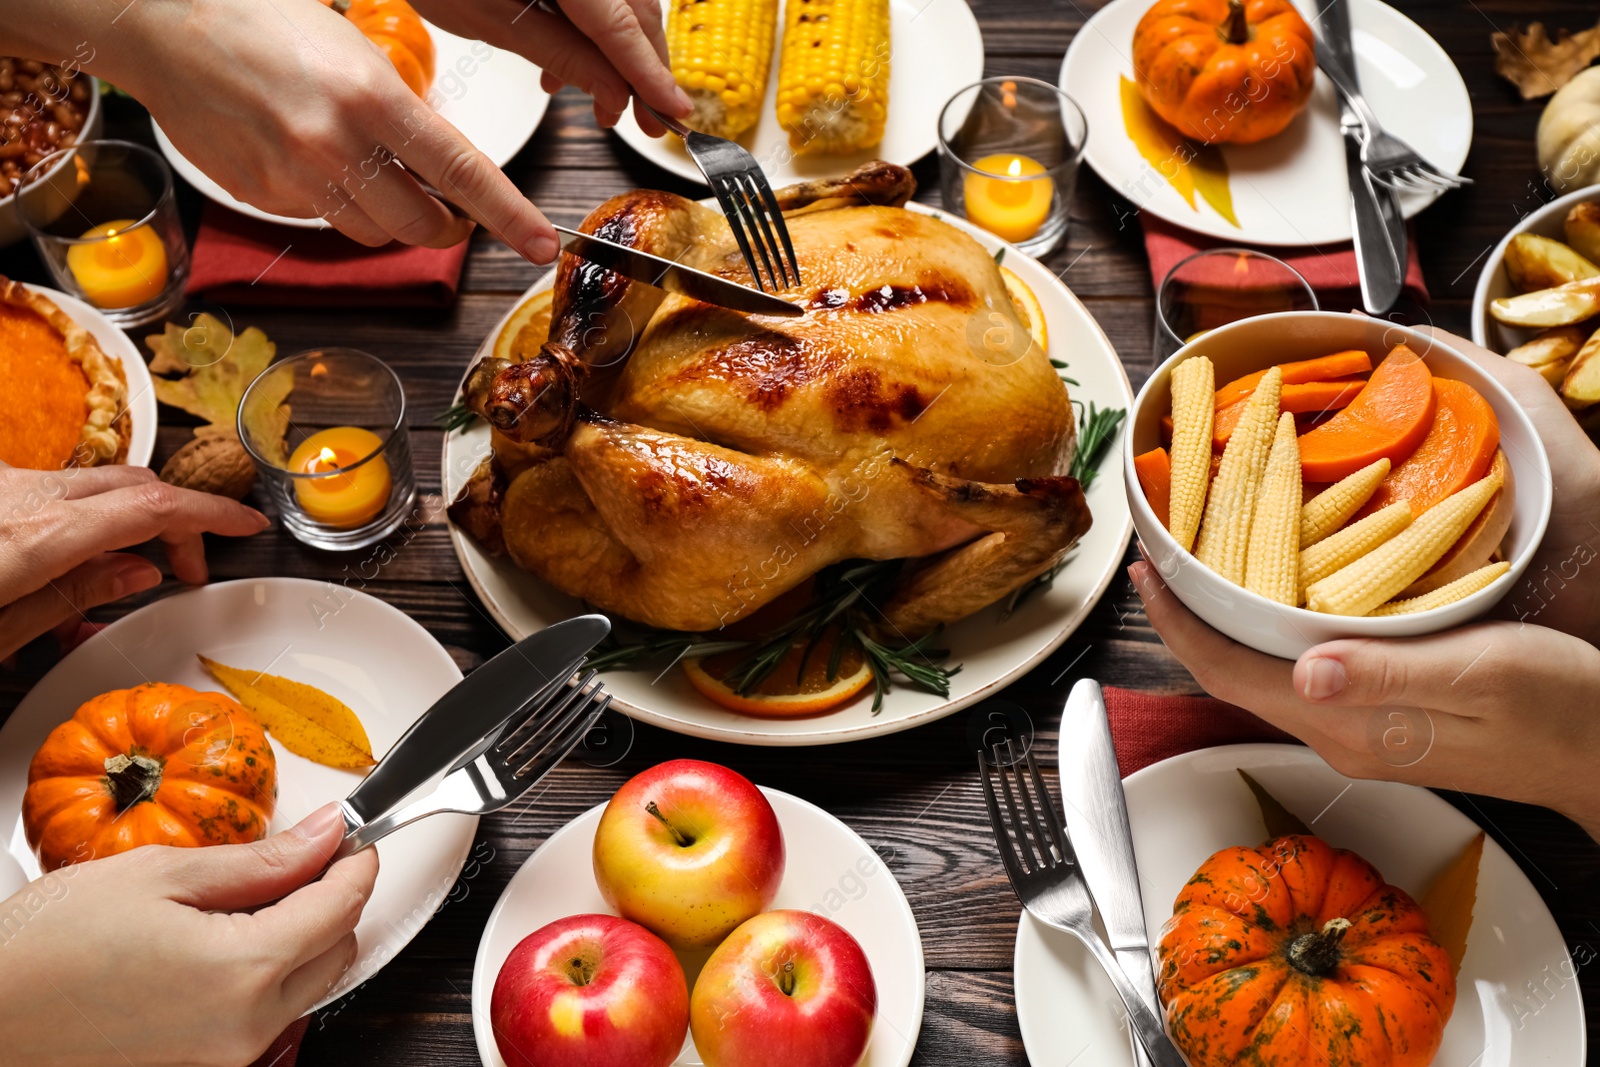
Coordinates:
103 438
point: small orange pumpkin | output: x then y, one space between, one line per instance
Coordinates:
399 32
1225 71
158 764
1297 952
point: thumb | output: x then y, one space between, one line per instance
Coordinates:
236 877
107 577
1411 671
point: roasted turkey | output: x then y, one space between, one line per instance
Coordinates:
682 465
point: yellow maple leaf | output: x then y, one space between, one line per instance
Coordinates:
1449 902
304 719
213 367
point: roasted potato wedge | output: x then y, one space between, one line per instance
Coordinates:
1583 229
1581 386
1534 262
1562 305
1551 352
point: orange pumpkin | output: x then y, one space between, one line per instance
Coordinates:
1233 71
1297 952
157 764
399 32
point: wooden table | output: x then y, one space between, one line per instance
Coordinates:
913 796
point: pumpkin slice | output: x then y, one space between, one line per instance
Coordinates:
1389 419
1154 469
1322 368
1458 450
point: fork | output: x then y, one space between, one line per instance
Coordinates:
1044 872
506 764
1389 160
741 187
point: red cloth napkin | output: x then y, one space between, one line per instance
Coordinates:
1147 728
284 1051
1330 269
240 260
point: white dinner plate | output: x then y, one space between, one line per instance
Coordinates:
116 344
378 661
1289 189
492 96
1184 809
828 870
935 49
992 651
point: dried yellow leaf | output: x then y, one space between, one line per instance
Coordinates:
1278 820
304 719
213 368
1448 903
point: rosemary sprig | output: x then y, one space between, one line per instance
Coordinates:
1097 428
1061 365
615 654
456 417
843 601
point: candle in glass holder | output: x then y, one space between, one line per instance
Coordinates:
123 266
1012 205
350 497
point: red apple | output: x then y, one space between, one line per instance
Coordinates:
689 850
786 988
590 991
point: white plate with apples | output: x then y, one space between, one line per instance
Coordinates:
831 960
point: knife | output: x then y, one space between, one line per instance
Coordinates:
1377 226
673 277
1097 823
474 708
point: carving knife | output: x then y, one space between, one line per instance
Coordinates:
1097 823
1377 226
472 710
673 277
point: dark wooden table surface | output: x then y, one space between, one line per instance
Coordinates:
913 796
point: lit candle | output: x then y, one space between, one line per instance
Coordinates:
350 497
123 266
1011 205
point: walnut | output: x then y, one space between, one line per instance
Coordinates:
214 462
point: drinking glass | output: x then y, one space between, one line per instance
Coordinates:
1223 285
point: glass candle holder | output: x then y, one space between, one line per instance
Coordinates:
103 217
327 432
1009 150
1223 285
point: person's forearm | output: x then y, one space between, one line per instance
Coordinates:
115 40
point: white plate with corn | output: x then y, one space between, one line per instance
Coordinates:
1372 482
814 88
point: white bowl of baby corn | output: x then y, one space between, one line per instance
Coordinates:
1279 629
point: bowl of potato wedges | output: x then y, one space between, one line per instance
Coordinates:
1538 299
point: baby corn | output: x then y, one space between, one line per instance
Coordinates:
833 77
1328 510
721 52
1459 589
1194 390
1351 543
1376 577
1225 530
1272 563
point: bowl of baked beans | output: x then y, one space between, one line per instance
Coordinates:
43 108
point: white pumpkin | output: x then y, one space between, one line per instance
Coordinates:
1569 133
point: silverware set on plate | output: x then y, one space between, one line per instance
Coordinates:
1065 873
1379 165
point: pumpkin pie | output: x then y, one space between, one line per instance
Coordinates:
63 401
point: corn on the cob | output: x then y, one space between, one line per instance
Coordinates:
1194 391
1351 543
1272 564
1329 509
721 53
1459 589
833 77
1225 530
1383 572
